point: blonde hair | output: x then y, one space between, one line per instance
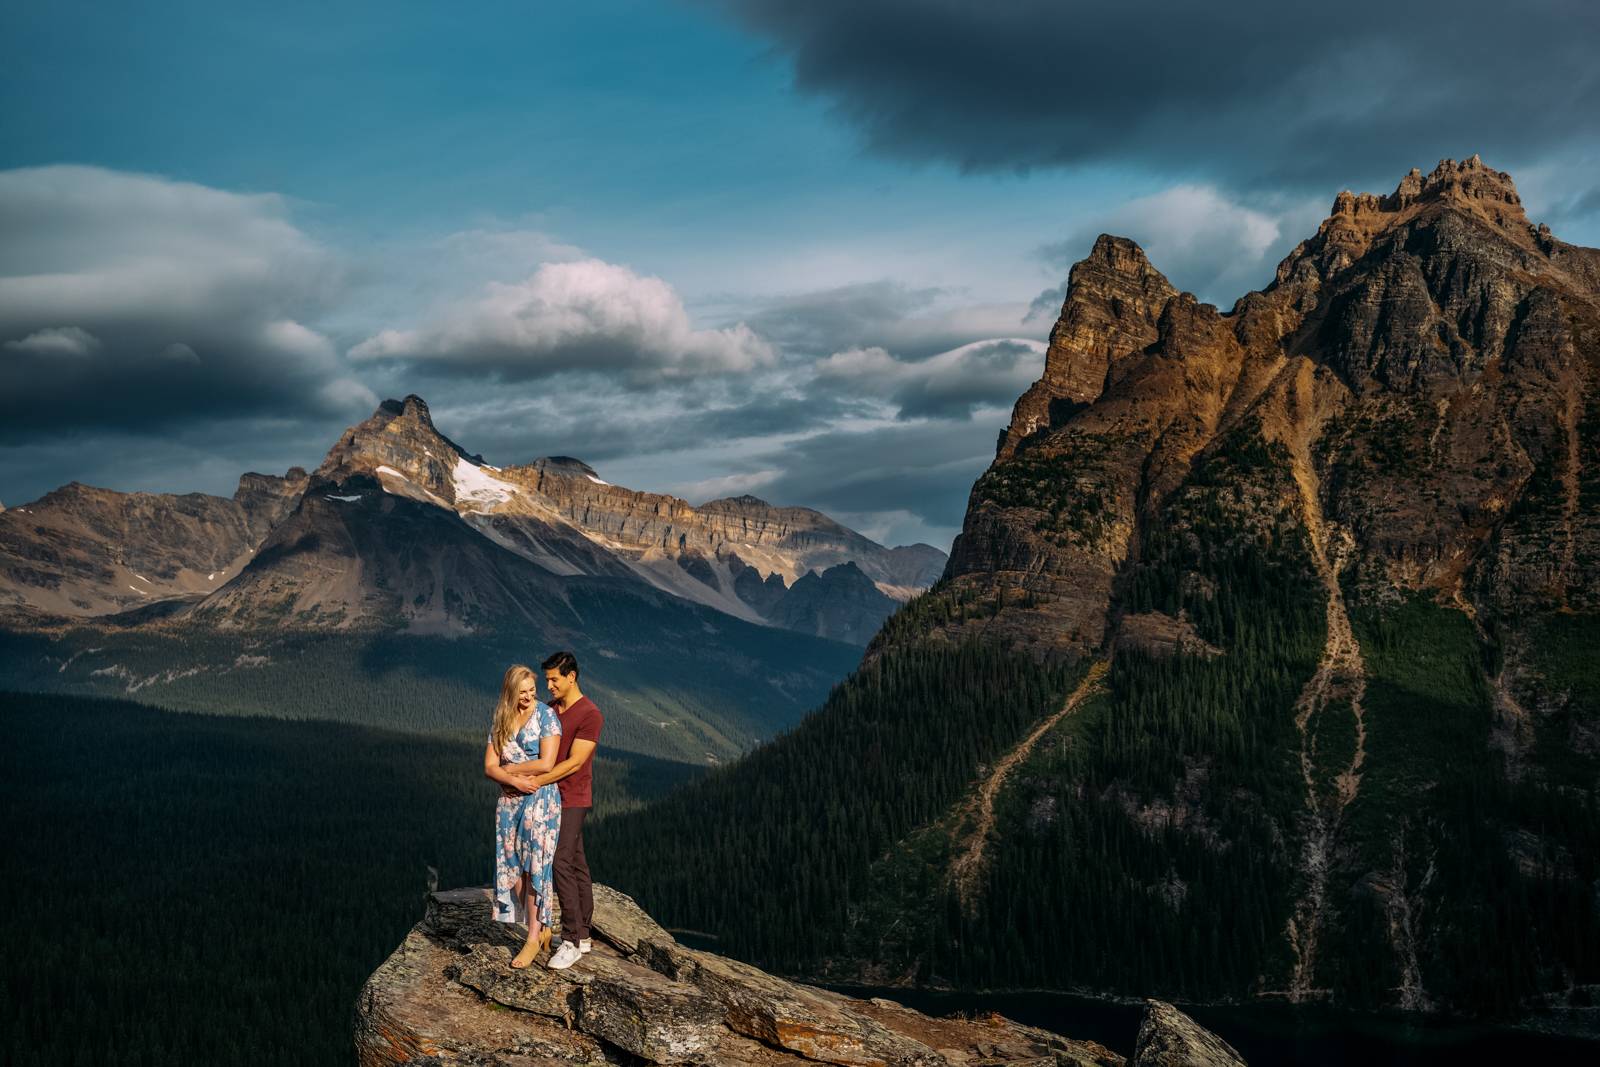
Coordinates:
505 712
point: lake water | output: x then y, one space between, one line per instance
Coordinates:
1266 1035
1270 1035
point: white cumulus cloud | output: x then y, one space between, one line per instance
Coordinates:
585 315
1203 241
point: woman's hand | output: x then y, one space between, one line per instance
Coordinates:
520 784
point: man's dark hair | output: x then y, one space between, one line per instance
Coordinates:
562 663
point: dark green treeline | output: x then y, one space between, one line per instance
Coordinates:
207 889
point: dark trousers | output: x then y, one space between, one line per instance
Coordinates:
573 887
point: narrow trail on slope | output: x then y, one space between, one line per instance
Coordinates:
1340 674
969 858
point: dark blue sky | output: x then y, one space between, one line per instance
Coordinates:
710 247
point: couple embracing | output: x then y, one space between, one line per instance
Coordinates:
543 759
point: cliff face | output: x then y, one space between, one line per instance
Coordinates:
448 994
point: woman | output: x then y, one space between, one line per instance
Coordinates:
523 743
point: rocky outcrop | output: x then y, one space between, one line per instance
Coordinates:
1114 300
1169 1038
400 446
448 995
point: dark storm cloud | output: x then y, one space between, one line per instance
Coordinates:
134 303
1250 92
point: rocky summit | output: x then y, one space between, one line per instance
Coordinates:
449 995
1422 371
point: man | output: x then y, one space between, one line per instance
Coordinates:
574 774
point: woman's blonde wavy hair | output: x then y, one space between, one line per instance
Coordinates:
505 712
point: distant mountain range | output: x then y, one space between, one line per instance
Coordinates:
418 570
1266 665
402 527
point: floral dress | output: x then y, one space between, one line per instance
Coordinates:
526 826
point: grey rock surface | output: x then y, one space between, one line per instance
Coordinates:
1169 1038
448 995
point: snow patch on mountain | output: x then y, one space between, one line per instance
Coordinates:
474 486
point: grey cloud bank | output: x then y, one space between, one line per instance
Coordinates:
135 303
1251 93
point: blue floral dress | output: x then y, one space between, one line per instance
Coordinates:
526 826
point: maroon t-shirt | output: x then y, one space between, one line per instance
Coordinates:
583 720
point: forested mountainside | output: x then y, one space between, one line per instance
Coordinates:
1263 667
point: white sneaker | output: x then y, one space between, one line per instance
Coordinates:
565 956
586 946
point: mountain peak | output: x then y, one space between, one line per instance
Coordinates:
1120 254
1467 188
1470 183
412 406
400 442
1115 297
